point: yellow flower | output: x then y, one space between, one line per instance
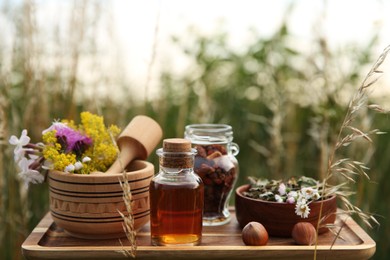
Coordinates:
58 159
49 137
102 152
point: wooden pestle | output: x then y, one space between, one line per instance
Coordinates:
136 141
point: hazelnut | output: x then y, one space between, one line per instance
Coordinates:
254 234
304 233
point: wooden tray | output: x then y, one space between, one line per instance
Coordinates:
47 241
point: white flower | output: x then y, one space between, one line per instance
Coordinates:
316 196
290 200
48 165
55 126
20 142
293 194
33 156
308 192
19 154
19 151
78 165
278 198
302 210
24 164
86 159
28 175
69 168
301 200
282 189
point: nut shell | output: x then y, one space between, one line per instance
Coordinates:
254 234
304 233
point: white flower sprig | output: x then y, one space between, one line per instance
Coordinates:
28 158
77 166
305 196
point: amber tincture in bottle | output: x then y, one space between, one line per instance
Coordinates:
176 196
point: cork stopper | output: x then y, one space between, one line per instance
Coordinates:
177 153
176 145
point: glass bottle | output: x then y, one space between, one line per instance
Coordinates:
216 164
176 196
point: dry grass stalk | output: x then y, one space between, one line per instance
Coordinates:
347 168
153 55
3 122
3 127
128 220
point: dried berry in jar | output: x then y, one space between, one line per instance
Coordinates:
216 164
218 172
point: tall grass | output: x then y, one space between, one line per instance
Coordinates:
284 105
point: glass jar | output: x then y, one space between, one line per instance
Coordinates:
217 165
176 196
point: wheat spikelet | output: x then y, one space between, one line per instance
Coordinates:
347 168
128 220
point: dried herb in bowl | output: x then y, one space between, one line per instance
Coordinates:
300 191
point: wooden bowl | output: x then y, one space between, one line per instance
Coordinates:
86 206
280 218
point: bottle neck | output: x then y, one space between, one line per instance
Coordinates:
175 171
176 161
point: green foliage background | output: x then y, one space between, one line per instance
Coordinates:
285 107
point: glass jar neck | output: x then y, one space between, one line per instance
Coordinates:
204 134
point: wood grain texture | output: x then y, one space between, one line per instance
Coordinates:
48 241
87 205
136 141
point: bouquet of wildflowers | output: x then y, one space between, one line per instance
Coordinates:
67 147
301 192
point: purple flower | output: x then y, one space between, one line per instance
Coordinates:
72 140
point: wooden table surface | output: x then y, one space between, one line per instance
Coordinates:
47 241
